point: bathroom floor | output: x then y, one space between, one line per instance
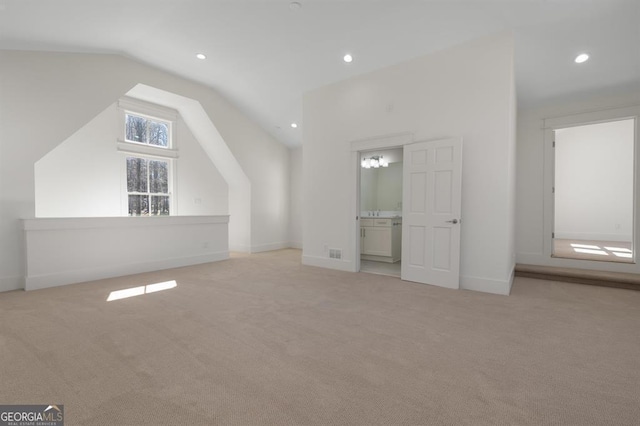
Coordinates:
381 268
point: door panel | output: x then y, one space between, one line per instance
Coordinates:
416 246
432 198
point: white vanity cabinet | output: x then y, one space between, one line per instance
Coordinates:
380 239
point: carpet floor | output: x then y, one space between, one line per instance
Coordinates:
263 340
602 251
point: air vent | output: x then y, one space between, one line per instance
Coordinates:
335 253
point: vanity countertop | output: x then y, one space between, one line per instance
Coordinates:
381 217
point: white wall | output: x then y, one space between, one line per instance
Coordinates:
465 91
530 212
83 176
46 97
594 182
297 198
70 250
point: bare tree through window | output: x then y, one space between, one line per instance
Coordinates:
148 187
146 130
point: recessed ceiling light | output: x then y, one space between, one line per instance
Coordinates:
201 56
581 58
294 125
348 58
294 5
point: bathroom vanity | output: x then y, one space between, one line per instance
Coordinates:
381 238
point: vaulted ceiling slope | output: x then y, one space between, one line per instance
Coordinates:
264 54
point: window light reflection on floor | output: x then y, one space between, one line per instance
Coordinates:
626 255
584 246
137 291
589 251
619 249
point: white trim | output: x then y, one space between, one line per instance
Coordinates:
591 117
295 244
324 262
149 109
240 248
50 224
141 149
486 285
269 247
547 189
397 140
84 275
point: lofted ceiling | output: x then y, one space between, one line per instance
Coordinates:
263 55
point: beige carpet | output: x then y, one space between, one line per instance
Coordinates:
262 340
603 251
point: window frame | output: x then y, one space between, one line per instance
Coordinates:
148 152
148 193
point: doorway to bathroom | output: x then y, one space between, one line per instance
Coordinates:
381 173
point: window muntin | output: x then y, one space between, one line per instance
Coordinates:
148 187
147 130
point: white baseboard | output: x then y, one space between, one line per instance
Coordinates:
239 248
111 271
11 283
325 262
269 247
295 244
486 285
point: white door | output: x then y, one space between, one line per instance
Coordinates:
432 190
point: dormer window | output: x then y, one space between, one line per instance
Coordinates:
147 130
150 147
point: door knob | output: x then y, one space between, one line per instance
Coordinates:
454 221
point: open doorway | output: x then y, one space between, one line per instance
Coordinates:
381 211
594 192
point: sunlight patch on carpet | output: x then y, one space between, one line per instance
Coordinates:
140 290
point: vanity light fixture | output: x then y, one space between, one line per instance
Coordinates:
374 162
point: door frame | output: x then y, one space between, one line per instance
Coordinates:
550 125
397 140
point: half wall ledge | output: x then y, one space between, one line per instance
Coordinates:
62 251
